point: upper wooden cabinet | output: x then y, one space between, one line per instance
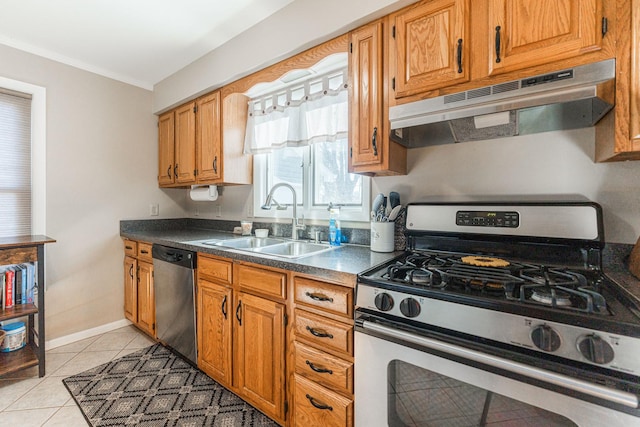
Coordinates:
199 144
185 144
431 46
370 150
527 33
166 149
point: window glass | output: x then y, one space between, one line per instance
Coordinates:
332 181
287 165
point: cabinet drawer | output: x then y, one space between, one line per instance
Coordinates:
323 333
130 248
144 251
265 282
333 298
215 269
324 368
316 406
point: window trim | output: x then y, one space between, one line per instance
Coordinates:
38 150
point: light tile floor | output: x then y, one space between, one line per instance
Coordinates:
27 400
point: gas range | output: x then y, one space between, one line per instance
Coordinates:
524 278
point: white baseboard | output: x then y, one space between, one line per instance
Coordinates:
88 333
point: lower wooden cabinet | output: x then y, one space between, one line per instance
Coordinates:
315 405
214 310
139 291
259 352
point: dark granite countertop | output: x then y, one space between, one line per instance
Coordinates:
341 264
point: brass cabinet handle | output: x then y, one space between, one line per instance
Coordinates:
319 405
498 44
319 370
319 334
318 297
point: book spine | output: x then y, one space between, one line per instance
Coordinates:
9 288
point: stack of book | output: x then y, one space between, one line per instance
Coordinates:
17 284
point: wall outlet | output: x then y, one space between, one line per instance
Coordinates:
154 209
218 211
196 212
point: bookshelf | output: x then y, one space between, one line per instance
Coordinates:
17 250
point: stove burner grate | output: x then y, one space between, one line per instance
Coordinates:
469 277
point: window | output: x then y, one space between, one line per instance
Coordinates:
298 136
22 158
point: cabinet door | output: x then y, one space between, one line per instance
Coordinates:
259 353
214 330
366 111
209 138
527 33
131 289
146 299
431 46
185 133
166 149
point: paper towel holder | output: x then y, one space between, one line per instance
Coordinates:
205 192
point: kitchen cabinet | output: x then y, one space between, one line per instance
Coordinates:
199 144
529 33
322 367
432 46
370 150
214 318
431 52
618 133
20 250
166 139
241 323
259 345
139 296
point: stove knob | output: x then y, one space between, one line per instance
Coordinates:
545 338
384 301
595 349
410 307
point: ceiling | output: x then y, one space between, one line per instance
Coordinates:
139 42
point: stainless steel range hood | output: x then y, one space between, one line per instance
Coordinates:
567 99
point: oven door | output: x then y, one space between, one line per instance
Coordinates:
408 379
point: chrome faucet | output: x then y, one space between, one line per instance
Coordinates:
296 223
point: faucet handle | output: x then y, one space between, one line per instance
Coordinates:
300 223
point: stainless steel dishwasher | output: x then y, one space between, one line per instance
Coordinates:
175 302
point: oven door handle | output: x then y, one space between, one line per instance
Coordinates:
605 393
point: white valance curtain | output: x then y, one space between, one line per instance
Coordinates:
316 111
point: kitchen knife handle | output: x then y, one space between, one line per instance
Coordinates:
459 56
498 44
374 141
224 306
238 313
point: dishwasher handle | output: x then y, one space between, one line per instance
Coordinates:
175 256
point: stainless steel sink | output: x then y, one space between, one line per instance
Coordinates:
249 243
268 246
294 249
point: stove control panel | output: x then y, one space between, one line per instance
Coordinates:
488 219
577 343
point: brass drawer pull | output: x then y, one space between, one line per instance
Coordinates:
319 334
319 370
319 405
318 297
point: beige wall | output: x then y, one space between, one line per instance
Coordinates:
101 168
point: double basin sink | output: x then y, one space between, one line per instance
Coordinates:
269 246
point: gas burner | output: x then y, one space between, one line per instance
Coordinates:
420 276
551 297
543 275
468 277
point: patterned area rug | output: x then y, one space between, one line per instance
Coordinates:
154 387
